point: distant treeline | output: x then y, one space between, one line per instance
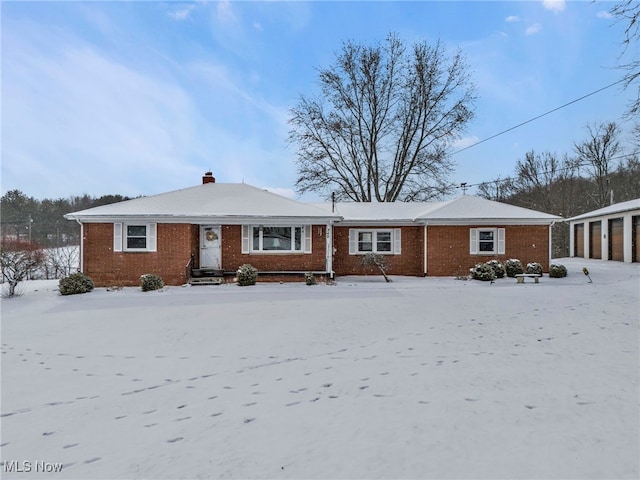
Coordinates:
596 174
42 221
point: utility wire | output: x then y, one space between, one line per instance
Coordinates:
539 116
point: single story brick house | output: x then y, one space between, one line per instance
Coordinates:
609 233
213 228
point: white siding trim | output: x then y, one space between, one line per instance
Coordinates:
353 241
307 239
501 241
246 238
117 237
397 241
473 241
152 242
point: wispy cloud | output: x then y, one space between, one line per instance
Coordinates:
181 13
512 19
554 5
224 12
604 14
533 29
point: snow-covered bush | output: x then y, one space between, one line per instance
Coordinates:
557 271
498 267
19 260
513 267
378 261
151 281
310 278
484 272
534 268
75 283
247 275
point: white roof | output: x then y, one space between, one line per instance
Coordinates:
463 210
610 210
237 202
230 202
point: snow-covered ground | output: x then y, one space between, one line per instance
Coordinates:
421 378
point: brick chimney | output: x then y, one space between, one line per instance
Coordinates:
208 178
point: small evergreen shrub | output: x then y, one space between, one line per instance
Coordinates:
309 278
247 275
557 271
498 268
151 281
74 284
513 267
534 268
484 272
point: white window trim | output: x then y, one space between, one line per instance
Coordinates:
498 241
120 237
247 240
396 240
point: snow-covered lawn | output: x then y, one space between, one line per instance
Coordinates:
421 378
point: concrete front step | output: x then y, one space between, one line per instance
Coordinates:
206 281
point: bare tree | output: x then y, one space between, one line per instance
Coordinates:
497 190
384 122
18 260
628 12
598 153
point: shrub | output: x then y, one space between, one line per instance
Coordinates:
513 267
310 278
484 272
557 271
74 284
247 275
534 268
378 261
498 268
151 281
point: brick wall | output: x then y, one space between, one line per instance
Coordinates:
448 248
175 243
232 256
410 262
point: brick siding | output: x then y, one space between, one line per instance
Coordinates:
232 256
175 243
448 248
410 262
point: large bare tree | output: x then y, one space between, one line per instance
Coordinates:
598 153
383 124
628 12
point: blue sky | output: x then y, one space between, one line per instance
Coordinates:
143 97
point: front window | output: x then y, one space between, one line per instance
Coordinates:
377 241
136 237
486 241
278 239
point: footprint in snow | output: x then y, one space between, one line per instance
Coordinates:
71 445
251 404
249 420
217 414
364 387
91 460
174 440
292 404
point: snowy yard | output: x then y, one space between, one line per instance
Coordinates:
421 378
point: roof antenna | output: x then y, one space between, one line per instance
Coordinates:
463 186
333 202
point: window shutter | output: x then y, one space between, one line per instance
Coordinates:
117 237
246 238
307 239
501 243
473 241
353 241
397 241
152 237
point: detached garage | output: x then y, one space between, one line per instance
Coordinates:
609 233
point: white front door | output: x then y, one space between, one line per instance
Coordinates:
210 247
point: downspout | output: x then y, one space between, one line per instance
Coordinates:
551 240
329 250
81 245
425 251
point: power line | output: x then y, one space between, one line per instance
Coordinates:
539 116
466 185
